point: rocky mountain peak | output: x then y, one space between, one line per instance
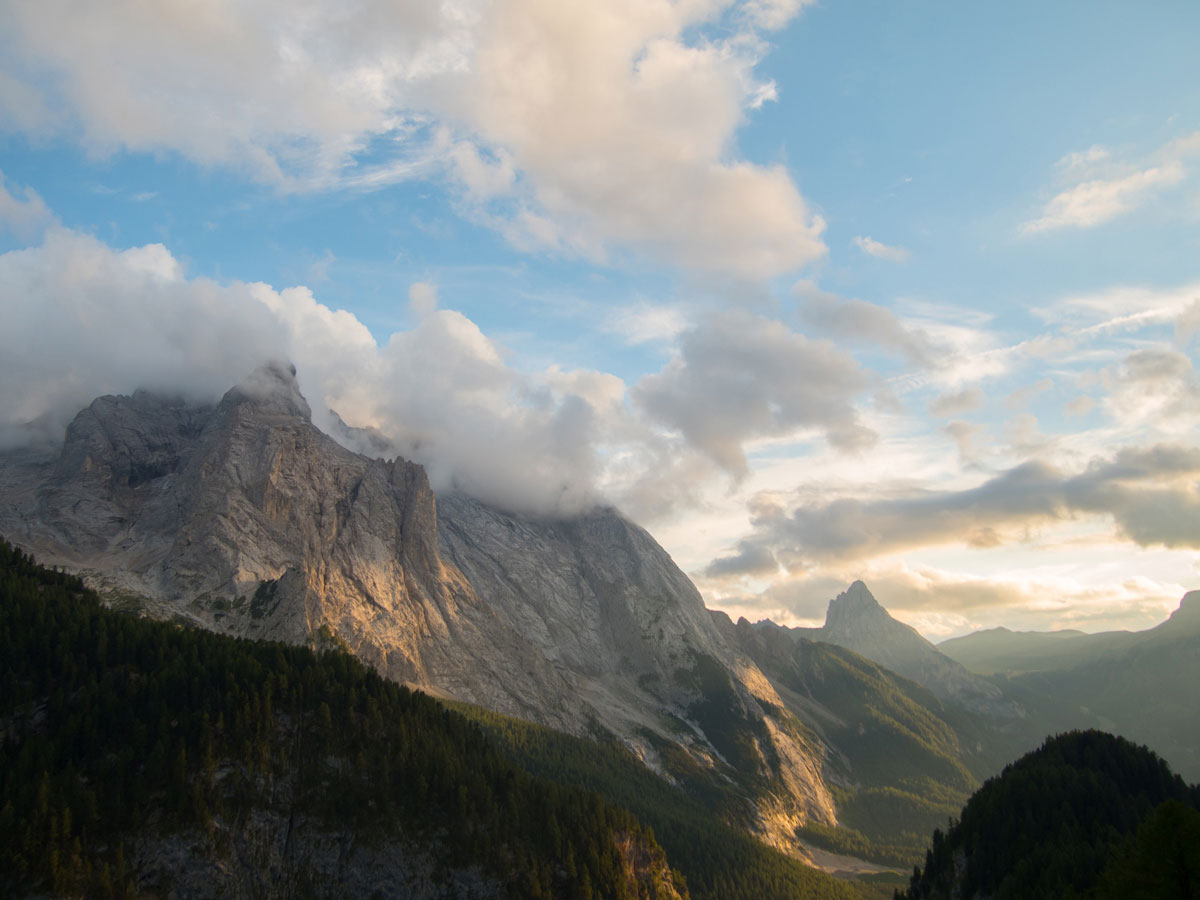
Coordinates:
853 604
272 390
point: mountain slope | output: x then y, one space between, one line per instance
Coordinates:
1051 822
856 621
999 650
1142 688
141 758
244 518
901 758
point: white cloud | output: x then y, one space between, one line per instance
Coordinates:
740 377
422 299
957 402
1095 202
83 319
25 215
881 251
857 320
1105 187
582 128
1155 386
647 323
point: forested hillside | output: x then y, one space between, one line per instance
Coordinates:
125 741
139 757
691 819
1087 814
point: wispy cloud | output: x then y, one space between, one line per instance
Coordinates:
880 250
1104 186
1095 202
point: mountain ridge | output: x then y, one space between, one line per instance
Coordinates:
856 621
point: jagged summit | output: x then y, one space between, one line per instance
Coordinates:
856 620
853 603
273 390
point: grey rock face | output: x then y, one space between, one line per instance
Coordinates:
856 621
244 518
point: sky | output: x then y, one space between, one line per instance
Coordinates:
906 292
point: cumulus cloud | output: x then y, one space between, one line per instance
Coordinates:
584 128
956 403
25 213
83 319
880 250
857 320
739 377
1154 385
748 559
647 323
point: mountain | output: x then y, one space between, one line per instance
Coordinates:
1074 818
243 518
142 759
1001 650
856 621
1127 682
900 759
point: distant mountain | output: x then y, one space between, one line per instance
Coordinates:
999 649
1071 819
243 518
856 621
1134 683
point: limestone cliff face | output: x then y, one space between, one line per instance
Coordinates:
244 518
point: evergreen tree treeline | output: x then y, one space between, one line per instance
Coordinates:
110 724
1073 819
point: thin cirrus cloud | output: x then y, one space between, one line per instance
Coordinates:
589 129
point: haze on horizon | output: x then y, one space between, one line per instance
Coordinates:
813 292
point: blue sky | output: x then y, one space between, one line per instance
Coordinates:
899 291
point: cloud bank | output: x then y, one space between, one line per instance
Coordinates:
582 128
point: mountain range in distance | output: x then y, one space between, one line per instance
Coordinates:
857 738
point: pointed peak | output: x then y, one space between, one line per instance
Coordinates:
853 603
273 389
858 596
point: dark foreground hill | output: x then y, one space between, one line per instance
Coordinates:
142 758
1086 815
